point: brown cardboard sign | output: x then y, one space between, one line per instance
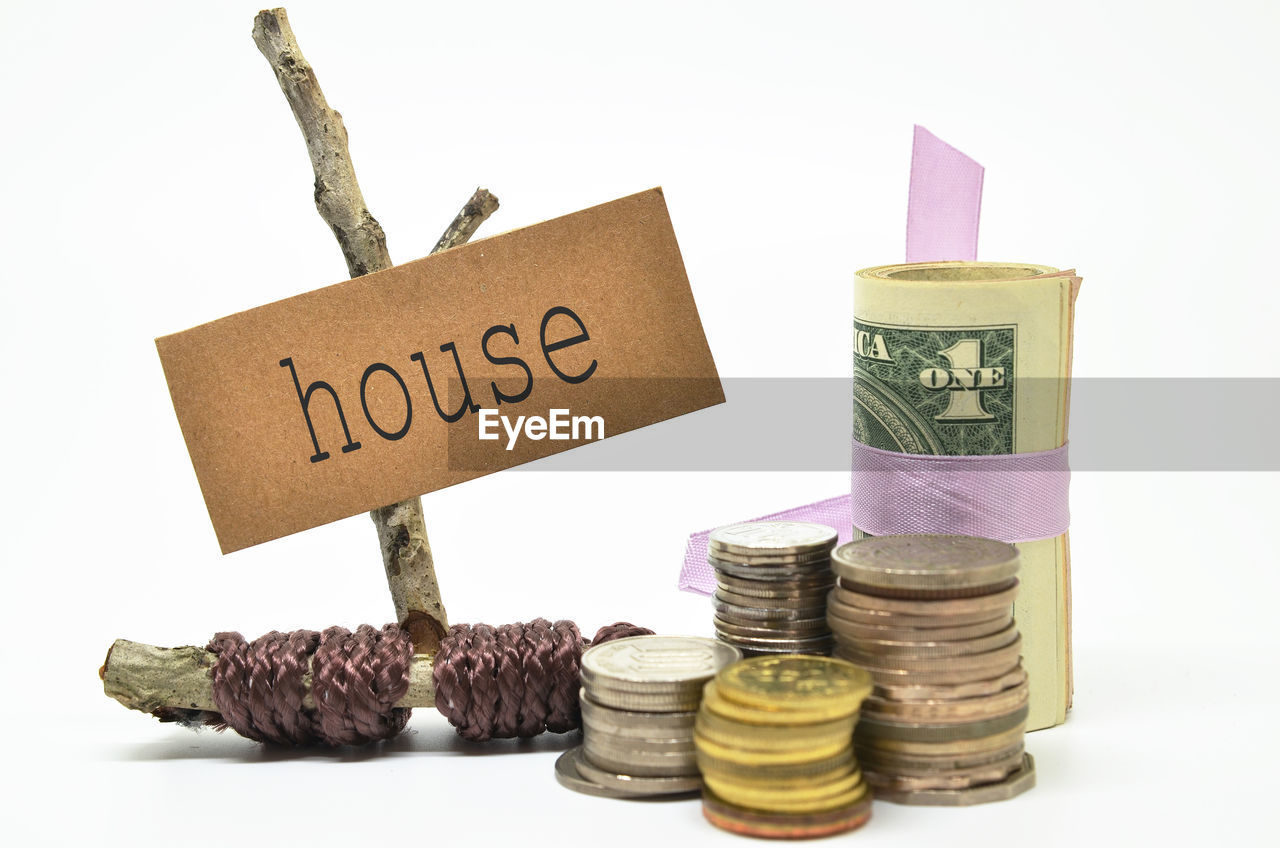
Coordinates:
379 388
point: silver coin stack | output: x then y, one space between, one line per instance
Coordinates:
772 579
639 699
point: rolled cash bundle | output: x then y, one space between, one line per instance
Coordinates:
961 388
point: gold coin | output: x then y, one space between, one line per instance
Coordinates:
764 777
742 756
816 805
770 797
761 737
817 771
812 685
712 700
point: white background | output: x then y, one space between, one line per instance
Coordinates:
154 179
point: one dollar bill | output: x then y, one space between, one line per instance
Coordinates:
970 358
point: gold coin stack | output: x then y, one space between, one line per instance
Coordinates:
931 618
772 579
774 738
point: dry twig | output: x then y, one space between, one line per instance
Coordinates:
402 532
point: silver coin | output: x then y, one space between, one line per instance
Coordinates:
931 561
635 722
656 660
622 746
809 571
780 646
757 627
813 559
572 772
808 600
641 766
637 702
771 536
637 786
769 589
661 690
752 613
637 736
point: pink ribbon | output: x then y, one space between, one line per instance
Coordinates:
943 201
1012 497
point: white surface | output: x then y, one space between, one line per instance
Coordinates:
155 180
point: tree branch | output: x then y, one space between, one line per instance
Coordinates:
171 680
402 532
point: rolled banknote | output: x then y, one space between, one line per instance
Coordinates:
970 363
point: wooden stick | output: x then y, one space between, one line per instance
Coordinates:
157 680
402 532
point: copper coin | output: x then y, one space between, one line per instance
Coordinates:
922 594
899 689
892 649
943 711
989 603
767 825
893 779
1000 657
926 560
852 631
871 729
1019 781
924 764
953 747
888 618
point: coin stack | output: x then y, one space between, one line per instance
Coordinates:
775 746
639 698
931 618
772 579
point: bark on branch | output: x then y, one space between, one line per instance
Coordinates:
161 680
402 533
